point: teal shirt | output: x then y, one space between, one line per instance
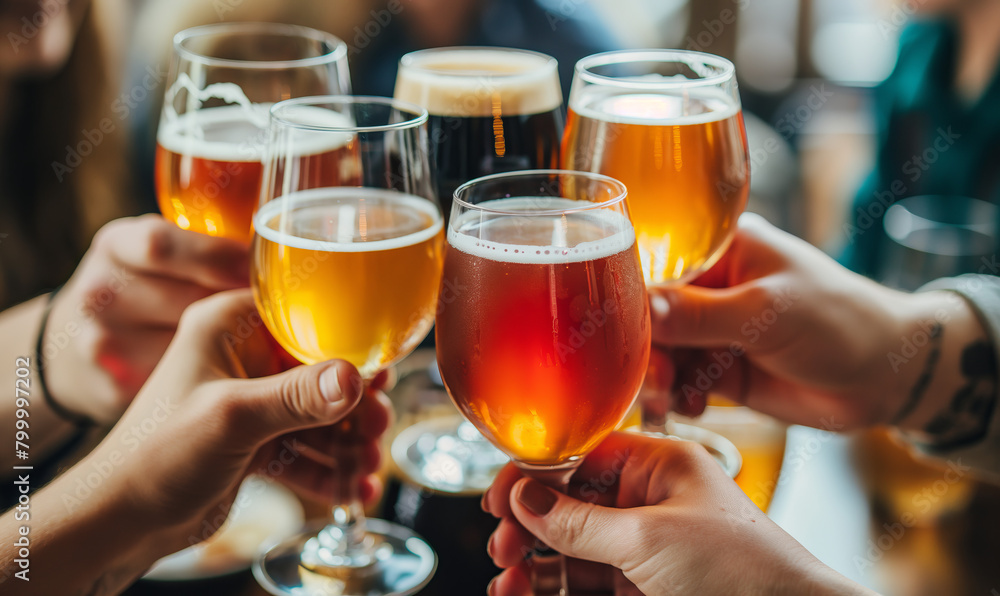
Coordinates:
929 140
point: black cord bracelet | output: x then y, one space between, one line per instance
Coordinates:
72 417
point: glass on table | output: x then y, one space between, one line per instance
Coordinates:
547 347
348 272
935 236
222 81
759 439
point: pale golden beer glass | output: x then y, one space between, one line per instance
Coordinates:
347 271
222 81
667 123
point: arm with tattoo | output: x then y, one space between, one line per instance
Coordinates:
953 389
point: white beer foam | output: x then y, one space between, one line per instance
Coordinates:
468 82
186 134
653 108
465 235
346 200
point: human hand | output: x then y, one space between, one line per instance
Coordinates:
649 516
196 429
781 327
111 323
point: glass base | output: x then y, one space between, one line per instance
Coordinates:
719 447
448 455
401 563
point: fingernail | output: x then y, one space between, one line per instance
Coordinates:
489 545
659 306
484 502
340 382
536 497
329 385
491 589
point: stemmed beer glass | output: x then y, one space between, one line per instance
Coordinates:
667 123
222 81
347 270
546 347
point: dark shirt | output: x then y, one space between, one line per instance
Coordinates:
566 31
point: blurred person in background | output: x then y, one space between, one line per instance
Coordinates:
938 132
63 176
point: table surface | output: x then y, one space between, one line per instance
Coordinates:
823 501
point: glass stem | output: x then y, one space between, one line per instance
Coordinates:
548 567
654 421
345 542
349 518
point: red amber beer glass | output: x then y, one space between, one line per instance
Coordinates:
545 343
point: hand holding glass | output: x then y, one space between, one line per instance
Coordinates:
347 272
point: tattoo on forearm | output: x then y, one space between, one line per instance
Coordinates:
924 381
967 417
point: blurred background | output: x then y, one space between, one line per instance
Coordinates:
851 106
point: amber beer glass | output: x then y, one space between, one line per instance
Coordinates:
547 348
492 110
352 272
223 79
668 124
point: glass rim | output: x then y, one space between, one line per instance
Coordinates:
584 65
407 61
419 113
622 192
338 52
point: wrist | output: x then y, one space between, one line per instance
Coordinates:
936 328
48 356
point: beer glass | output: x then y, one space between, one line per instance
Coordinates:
668 124
347 271
492 110
223 78
547 347
935 236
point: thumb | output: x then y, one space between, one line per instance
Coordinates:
574 528
302 397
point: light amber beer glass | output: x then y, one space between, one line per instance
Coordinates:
347 271
222 81
546 346
389 245
669 125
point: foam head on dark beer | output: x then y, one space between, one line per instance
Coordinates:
470 82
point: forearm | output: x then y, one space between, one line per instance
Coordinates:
19 329
93 546
948 381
